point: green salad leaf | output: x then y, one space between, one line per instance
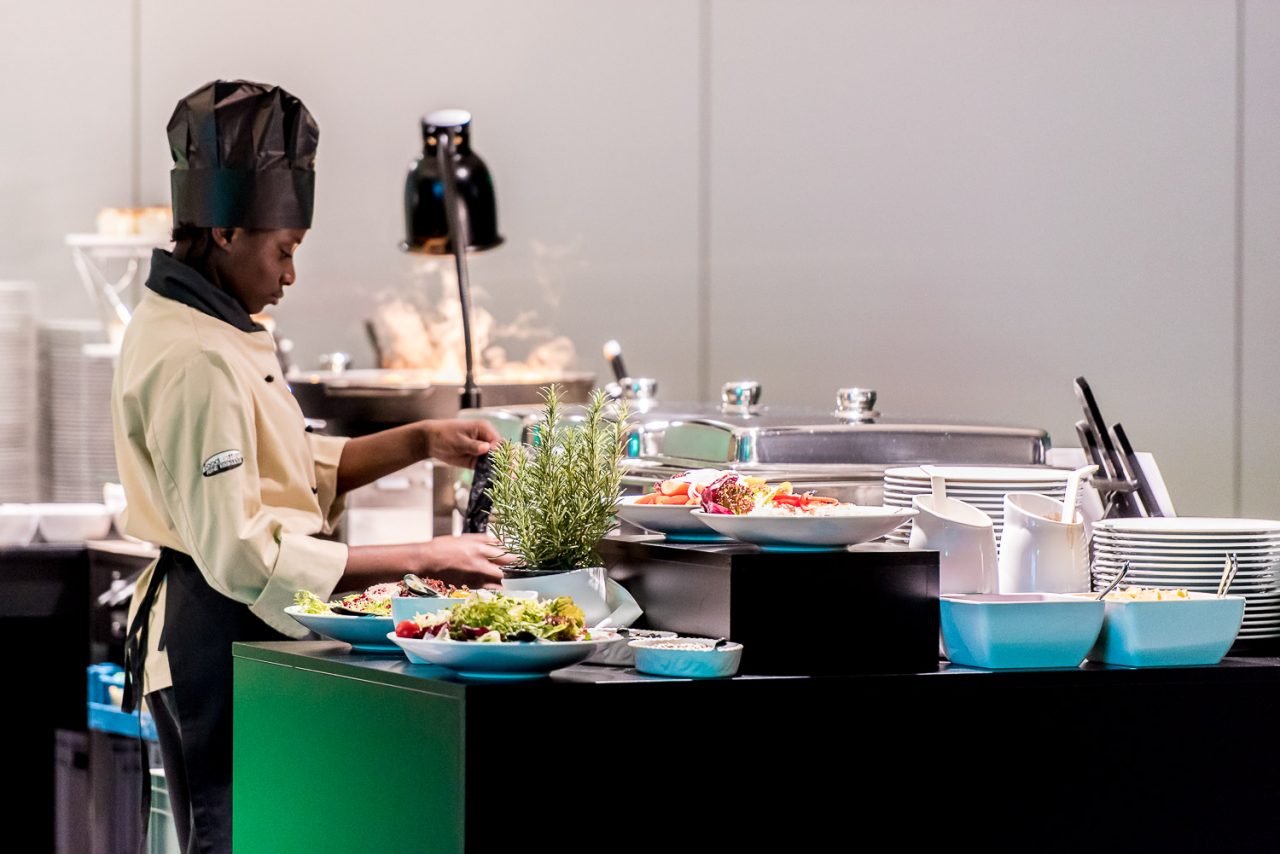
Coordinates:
492 617
310 603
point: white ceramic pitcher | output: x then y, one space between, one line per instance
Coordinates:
1039 553
964 538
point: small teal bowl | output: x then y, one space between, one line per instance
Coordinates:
686 663
1015 631
1174 633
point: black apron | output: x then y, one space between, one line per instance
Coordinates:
200 625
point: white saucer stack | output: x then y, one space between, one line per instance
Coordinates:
20 414
982 486
79 454
1191 552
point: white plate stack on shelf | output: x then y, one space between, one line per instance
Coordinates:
982 486
1191 552
79 454
20 415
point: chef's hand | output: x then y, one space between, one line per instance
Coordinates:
470 559
458 443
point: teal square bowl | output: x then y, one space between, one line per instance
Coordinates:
1173 633
1014 631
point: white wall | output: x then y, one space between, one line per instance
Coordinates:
962 205
967 205
65 120
597 201
1260 244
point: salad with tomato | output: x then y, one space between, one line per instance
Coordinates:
492 617
727 492
734 494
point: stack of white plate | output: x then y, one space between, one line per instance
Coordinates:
1191 553
20 414
982 486
79 454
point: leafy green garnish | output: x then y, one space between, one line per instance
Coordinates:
310 603
510 618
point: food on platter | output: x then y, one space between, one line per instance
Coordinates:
492 617
1148 594
736 495
683 489
376 600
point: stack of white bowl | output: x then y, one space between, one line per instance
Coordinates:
982 486
1191 553
20 414
79 454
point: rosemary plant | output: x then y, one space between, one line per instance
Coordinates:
554 501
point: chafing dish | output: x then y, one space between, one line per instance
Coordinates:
842 451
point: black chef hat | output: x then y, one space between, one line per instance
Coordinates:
243 157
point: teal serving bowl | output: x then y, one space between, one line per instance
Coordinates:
361 632
1172 633
1013 631
706 663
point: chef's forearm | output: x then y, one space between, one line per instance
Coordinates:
367 458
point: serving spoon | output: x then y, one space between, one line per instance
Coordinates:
1073 491
1124 570
1228 574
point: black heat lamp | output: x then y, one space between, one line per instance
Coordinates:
449 202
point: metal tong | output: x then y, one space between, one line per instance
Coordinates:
1228 575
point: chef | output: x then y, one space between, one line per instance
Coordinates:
217 465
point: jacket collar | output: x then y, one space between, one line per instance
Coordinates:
175 280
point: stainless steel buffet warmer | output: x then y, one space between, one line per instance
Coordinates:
841 451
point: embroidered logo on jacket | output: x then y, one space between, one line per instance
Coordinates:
222 461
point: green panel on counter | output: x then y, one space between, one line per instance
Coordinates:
305 782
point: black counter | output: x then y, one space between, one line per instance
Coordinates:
1094 758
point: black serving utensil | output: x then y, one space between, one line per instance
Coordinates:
1124 502
476 519
1090 444
1134 471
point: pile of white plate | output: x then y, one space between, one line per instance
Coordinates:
1191 553
982 486
20 414
79 454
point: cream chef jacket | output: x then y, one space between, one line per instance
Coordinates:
214 457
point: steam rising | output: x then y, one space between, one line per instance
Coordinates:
428 337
